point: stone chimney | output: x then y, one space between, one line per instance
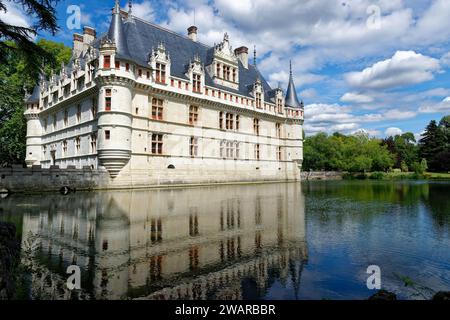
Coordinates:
78 45
89 35
242 54
192 33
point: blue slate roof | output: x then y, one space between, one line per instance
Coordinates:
141 36
34 98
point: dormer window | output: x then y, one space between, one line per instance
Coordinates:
258 100
280 105
106 62
197 83
226 73
218 70
160 73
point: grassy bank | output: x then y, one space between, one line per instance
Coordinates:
397 176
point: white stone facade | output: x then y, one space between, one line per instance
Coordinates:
146 126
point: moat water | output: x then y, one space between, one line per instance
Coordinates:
313 240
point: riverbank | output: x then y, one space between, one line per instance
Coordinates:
396 176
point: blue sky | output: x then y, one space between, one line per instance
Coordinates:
378 65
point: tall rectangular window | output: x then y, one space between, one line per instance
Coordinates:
279 153
160 73
258 100
117 64
237 149
78 113
193 147
64 148
226 73
55 122
107 135
94 143
222 149
108 100
157 143
256 126
107 62
94 108
221 120
218 70
157 109
230 150
278 129
77 145
197 83
229 121
127 66
257 152
238 122
234 75
66 118
193 115
280 105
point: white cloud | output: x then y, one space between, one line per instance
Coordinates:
308 94
14 15
334 117
143 10
351 97
445 59
440 107
392 132
404 68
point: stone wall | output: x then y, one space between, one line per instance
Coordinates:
321 175
18 179
37 179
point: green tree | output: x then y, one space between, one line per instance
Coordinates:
15 79
433 148
403 148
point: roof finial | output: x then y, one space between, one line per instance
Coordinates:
116 7
130 6
254 56
290 68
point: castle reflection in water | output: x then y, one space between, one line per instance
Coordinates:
224 242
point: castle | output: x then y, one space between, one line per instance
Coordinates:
150 107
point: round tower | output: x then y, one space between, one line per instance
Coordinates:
115 99
34 129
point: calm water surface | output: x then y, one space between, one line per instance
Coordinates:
313 240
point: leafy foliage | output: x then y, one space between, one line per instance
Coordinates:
20 39
435 147
346 153
16 79
359 153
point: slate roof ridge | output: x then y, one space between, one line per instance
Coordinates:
171 31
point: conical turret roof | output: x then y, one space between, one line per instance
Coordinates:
116 33
291 94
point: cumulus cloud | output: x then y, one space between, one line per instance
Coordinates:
404 68
440 107
392 132
14 15
143 10
351 97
